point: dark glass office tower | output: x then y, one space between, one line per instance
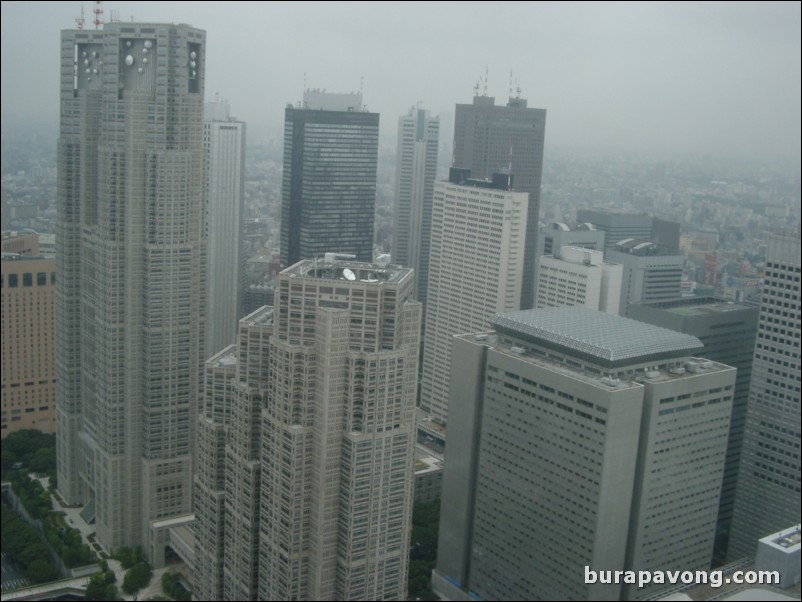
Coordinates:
329 183
490 139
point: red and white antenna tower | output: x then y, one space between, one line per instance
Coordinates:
98 13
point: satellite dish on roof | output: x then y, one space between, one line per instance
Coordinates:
349 275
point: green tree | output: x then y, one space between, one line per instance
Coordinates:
40 571
43 460
96 590
137 577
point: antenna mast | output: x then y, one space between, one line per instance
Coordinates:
79 21
98 13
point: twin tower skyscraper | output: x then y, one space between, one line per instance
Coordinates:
131 262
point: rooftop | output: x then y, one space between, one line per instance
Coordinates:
603 336
788 539
698 306
332 267
261 316
226 358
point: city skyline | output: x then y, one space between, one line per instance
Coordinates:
648 91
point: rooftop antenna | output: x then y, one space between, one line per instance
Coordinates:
510 84
476 86
486 80
79 21
98 13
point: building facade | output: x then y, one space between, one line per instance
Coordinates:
727 330
29 371
214 421
475 271
224 143
130 259
617 226
489 139
559 234
578 276
415 172
651 273
768 497
328 192
578 439
315 490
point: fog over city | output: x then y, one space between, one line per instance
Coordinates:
720 79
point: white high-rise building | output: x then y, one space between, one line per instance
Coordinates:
578 439
313 499
224 142
767 496
577 276
130 263
416 170
475 269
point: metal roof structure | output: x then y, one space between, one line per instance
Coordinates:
608 338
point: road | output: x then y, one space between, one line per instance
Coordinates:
12 576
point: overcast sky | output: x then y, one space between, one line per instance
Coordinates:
719 78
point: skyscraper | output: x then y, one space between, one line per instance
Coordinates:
727 331
578 438
29 371
415 172
475 270
318 429
328 192
130 300
490 139
768 480
224 143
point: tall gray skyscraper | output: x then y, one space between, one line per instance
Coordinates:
224 142
768 479
328 192
474 272
728 332
578 439
316 420
130 300
490 139
415 172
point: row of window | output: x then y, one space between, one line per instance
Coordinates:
27 279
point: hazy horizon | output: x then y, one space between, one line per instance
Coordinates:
719 79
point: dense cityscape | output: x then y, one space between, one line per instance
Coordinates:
450 359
